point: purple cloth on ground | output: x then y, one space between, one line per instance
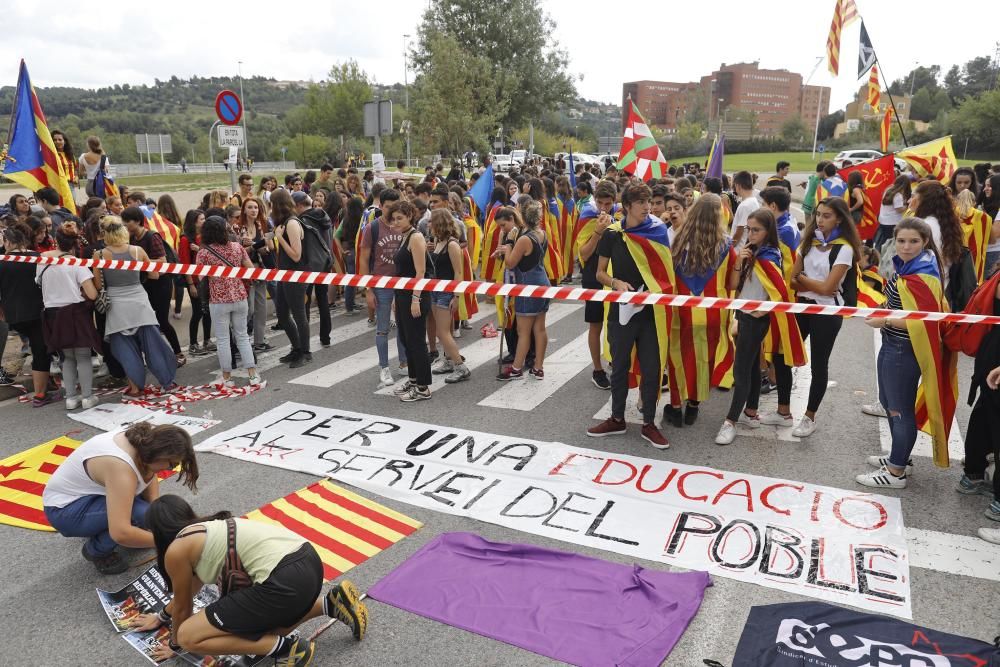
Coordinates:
566 606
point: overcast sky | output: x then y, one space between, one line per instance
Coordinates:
94 44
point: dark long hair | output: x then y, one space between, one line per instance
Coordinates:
67 149
845 223
901 186
213 232
167 516
937 202
191 224
964 171
498 196
352 219
166 207
162 443
282 207
991 204
767 220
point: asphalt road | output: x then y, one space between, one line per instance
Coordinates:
51 615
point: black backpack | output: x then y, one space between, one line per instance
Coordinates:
848 288
314 249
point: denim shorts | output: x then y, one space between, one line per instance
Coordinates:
531 305
441 299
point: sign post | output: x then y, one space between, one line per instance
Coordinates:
229 109
378 121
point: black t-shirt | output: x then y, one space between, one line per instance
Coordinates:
589 270
21 296
782 182
612 245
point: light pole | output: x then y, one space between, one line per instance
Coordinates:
243 100
406 93
913 75
819 102
718 103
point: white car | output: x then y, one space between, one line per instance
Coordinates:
502 162
519 156
859 156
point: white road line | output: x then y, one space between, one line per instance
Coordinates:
955 554
485 350
560 368
367 359
923 447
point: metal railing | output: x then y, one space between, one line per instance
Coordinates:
143 169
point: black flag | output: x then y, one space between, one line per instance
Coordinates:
866 53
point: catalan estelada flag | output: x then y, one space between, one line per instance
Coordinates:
474 240
167 230
23 477
567 219
492 267
935 158
844 12
701 348
31 159
346 529
552 261
783 337
870 289
976 232
874 90
467 303
920 288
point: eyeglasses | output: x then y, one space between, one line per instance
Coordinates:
755 230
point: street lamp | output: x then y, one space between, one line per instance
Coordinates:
406 93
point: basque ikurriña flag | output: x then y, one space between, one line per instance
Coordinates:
30 158
640 154
920 288
783 337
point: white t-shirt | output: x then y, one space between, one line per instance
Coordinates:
91 169
71 482
935 226
743 211
61 284
889 216
753 289
816 265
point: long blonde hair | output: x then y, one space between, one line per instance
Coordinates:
966 203
701 239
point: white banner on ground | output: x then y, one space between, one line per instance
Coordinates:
117 416
818 541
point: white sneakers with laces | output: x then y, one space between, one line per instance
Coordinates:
727 433
874 409
882 479
385 378
805 428
776 419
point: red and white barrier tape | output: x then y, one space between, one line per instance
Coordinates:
494 289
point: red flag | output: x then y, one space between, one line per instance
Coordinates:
843 14
878 176
884 128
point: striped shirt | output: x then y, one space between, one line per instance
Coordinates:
895 303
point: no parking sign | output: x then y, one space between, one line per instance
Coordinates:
228 107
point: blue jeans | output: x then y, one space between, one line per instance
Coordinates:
383 314
898 377
231 318
146 342
88 517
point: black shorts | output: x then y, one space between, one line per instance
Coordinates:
280 601
593 311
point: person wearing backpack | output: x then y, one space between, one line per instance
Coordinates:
825 273
270 581
318 231
291 302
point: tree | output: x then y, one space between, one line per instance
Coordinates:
921 77
978 76
336 106
794 130
927 104
455 107
828 124
978 120
515 39
953 84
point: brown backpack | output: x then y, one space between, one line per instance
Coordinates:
232 577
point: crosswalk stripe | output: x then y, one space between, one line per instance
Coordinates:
485 350
560 368
955 554
343 369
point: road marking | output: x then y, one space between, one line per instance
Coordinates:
486 350
560 368
924 445
367 359
955 554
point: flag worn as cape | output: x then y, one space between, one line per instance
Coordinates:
586 224
167 230
920 288
30 158
843 13
567 220
976 230
640 154
701 347
783 337
474 240
934 158
878 176
492 267
552 261
467 303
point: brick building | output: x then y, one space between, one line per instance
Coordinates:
775 96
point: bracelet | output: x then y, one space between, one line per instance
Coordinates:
163 615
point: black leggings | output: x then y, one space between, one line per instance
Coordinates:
823 330
291 307
746 365
180 287
413 332
32 330
199 316
159 292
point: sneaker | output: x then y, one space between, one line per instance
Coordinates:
510 373
776 419
300 361
456 334
416 394
766 386
537 373
113 563
690 414
6 379
90 402
195 350
300 653
726 434
371 323
263 347
805 428
748 421
460 374
343 602
600 380
432 355
881 479
443 367
991 535
385 377
291 356
351 311
972 487
72 402
256 381
43 400
228 384
609 426
403 388
507 358
652 435
993 511
181 360
466 326
325 342
874 409
882 461
211 347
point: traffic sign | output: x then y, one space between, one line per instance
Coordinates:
822 148
231 136
228 107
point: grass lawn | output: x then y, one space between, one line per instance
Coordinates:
763 163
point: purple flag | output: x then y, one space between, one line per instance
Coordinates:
714 168
573 608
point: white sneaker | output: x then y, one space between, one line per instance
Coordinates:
805 428
726 435
457 333
776 419
256 380
228 384
748 421
403 388
991 535
442 367
90 402
385 378
874 409
882 461
72 403
881 479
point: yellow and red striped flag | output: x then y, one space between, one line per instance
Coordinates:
346 529
23 477
843 14
874 91
935 158
784 336
884 129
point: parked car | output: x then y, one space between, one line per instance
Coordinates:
520 156
502 162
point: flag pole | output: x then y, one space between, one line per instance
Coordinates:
892 102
